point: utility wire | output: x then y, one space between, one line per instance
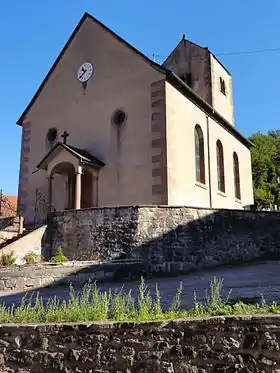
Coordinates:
249 52
277 49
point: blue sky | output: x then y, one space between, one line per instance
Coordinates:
32 33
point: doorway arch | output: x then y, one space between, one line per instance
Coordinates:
63 178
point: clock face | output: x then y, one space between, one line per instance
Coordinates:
85 71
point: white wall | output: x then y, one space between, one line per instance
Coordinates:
32 242
181 117
223 104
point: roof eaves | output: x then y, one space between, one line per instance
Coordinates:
174 80
152 63
21 118
183 41
85 16
39 165
86 157
220 62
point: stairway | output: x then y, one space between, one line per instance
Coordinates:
15 238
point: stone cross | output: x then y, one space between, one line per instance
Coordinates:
64 136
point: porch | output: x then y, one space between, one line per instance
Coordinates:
72 177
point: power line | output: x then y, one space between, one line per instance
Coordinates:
250 52
257 51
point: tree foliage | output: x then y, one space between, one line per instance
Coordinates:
266 168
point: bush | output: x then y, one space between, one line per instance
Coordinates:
59 257
31 258
7 259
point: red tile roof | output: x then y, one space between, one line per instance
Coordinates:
8 206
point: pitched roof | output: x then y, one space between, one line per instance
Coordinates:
198 46
8 205
85 16
84 156
170 76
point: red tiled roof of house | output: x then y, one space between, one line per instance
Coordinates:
8 206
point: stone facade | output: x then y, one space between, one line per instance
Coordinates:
224 344
190 59
168 238
202 71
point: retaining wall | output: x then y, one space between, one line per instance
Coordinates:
25 277
231 344
168 238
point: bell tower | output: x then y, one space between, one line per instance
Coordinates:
197 67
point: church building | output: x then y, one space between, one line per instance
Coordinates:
108 126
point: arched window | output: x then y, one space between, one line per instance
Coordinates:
236 176
220 167
199 155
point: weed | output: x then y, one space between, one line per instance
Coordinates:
31 257
59 257
92 304
7 259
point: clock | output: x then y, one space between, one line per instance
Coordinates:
84 72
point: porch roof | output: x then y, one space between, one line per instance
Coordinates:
84 156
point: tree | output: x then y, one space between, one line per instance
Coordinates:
266 168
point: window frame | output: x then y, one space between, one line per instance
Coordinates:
199 154
223 86
220 167
236 177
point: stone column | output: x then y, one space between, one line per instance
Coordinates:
50 179
78 191
94 190
20 229
66 192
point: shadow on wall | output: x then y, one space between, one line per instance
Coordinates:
162 239
167 238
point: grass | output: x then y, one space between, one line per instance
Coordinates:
7 259
31 257
91 304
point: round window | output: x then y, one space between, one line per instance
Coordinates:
52 134
119 117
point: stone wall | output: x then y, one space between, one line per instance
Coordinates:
231 344
168 238
10 227
33 276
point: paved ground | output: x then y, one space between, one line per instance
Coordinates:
248 281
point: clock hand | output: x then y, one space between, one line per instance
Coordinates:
83 73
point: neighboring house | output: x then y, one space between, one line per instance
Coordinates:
108 126
8 206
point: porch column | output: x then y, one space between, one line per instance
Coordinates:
94 190
78 191
50 179
66 192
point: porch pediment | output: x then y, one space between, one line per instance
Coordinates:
72 154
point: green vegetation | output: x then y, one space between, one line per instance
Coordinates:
7 259
266 168
93 305
31 258
59 257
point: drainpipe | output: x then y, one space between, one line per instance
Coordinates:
209 161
